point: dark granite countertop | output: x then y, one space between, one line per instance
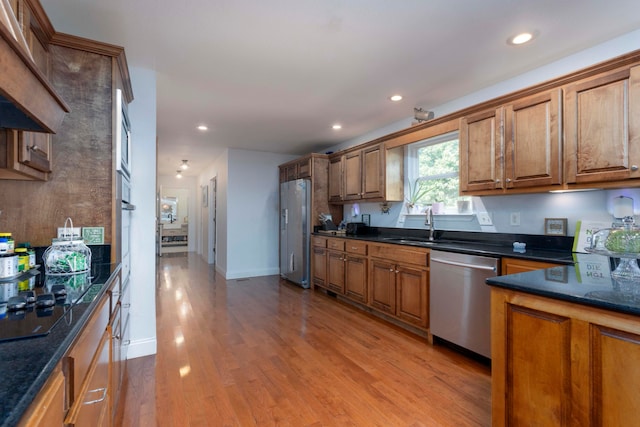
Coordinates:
26 364
588 282
538 248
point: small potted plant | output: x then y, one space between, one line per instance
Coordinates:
416 192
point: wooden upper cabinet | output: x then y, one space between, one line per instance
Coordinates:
481 150
514 146
533 141
371 173
335 179
353 175
602 120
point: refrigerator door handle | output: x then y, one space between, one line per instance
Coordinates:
291 262
286 216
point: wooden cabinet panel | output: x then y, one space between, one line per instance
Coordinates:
616 375
356 278
412 298
538 380
92 406
48 407
515 265
602 127
481 150
556 363
335 271
372 172
533 141
335 179
382 285
355 247
319 266
353 175
399 253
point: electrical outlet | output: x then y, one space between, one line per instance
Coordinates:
514 218
484 218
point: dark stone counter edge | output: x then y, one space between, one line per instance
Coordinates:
505 283
13 417
476 243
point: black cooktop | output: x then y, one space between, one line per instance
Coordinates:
33 303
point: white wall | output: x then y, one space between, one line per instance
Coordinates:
142 112
247 212
533 208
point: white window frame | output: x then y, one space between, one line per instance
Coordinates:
411 161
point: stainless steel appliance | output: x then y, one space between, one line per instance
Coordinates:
295 229
459 301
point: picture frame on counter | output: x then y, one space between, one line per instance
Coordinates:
555 226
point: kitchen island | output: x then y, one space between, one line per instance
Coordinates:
565 346
27 364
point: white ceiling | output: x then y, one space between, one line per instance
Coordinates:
275 75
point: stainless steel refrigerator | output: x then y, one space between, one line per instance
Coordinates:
295 229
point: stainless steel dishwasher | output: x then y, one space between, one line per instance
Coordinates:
459 299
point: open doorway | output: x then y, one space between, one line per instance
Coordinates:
213 188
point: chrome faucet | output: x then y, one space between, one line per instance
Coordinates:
429 221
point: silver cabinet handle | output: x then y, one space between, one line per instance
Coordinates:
462 264
508 180
100 399
634 167
127 342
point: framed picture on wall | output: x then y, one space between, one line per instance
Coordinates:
205 196
555 226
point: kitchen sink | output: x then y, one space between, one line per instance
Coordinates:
410 241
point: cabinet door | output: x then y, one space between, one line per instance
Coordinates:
115 330
382 286
353 175
532 141
35 150
335 271
319 262
49 404
513 266
335 179
602 117
413 290
356 278
481 151
372 172
92 406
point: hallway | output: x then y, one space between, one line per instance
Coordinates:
261 352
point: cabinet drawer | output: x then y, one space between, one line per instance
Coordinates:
81 355
319 242
335 244
399 253
356 247
91 408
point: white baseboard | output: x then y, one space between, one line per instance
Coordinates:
141 348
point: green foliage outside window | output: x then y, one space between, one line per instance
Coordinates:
438 171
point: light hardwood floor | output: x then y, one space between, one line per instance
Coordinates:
263 352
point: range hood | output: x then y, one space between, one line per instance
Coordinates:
27 100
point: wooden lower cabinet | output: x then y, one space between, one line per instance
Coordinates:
92 405
335 271
400 290
556 363
515 265
355 278
49 407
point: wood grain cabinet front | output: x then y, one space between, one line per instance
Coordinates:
514 146
48 409
602 115
556 363
399 282
516 265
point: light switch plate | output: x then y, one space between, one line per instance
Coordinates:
484 218
514 218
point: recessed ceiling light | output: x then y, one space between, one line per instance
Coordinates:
337 126
203 128
178 174
521 38
395 98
